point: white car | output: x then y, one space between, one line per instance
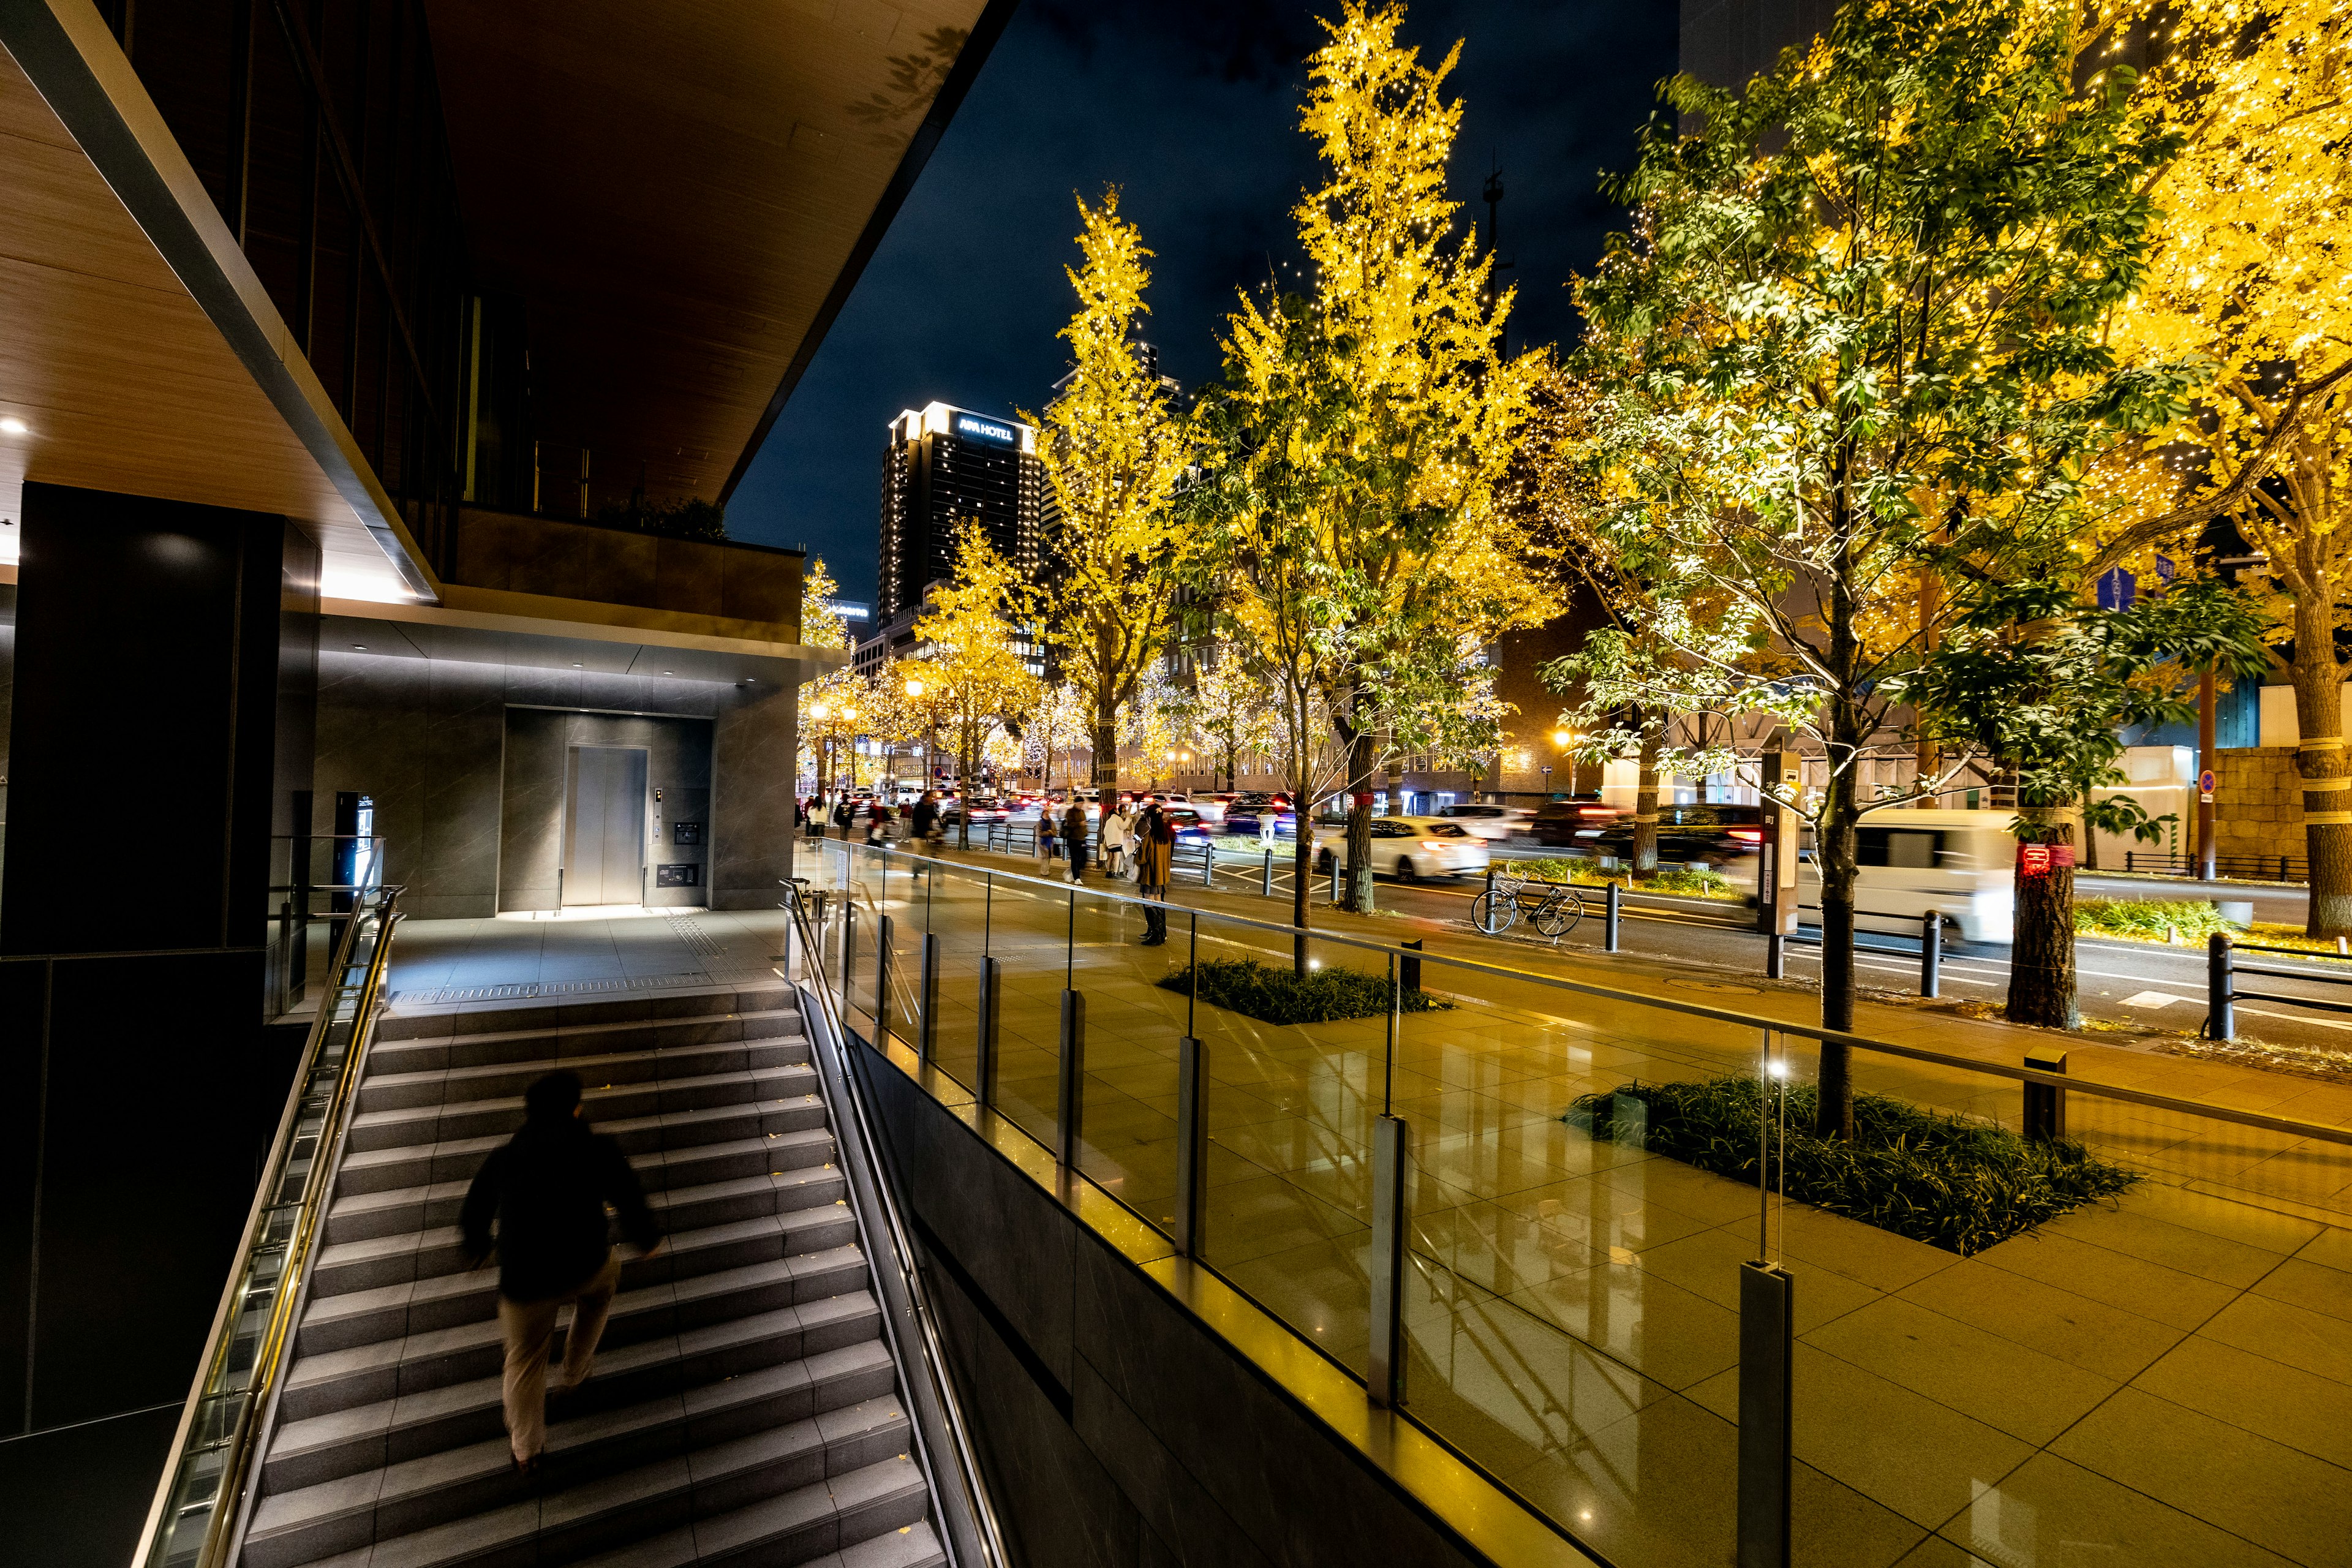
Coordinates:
1409 848
1960 864
1490 822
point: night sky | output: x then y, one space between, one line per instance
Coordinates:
1192 109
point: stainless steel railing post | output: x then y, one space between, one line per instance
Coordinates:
1070 1104
1192 1146
1384 1373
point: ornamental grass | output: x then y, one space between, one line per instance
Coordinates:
1952 1182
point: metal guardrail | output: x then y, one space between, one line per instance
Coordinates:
2223 995
978 1535
201 1501
2255 868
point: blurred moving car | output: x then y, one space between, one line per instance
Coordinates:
1485 820
1560 823
1687 833
1960 864
1409 848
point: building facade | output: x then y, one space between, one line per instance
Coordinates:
942 467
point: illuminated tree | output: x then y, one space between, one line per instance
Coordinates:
2248 271
824 701
1348 505
1227 705
1858 343
975 676
1114 453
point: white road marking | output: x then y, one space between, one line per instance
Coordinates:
2298 1018
2152 999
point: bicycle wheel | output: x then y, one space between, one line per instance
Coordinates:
1559 915
1493 915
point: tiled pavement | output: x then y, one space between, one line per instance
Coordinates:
2165 1383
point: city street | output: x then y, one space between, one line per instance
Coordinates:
2121 982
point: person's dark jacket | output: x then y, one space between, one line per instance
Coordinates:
547 1187
927 813
1073 831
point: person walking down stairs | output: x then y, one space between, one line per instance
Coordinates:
546 1188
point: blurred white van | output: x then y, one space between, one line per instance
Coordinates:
1959 863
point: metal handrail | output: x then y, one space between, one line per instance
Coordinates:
1720 1014
204 1475
975 1489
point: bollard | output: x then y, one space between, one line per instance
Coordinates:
1336 896
1931 953
2221 989
1409 969
1191 1147
1265 881
2045 1103
1384 1381
1775 957
1071 1103
1609 931
929 1042
1209 865
991 989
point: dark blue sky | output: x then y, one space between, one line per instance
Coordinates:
1192 110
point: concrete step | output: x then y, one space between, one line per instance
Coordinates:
413 1425
437 1052
755 1220
641 1138
363 1215
769 1499
408 1127
409 1024
908 1546
388 1091
366 1501
426 1358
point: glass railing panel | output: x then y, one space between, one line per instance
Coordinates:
1289 1120
1128 953
961 912
1029 937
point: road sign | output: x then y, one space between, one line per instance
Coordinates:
2206 783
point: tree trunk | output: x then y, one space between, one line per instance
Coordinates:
2319 757
1302 880
1835 858
1359 822
1645 805
2042 963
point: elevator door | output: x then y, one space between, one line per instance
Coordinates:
605 826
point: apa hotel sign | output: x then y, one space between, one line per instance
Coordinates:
972 427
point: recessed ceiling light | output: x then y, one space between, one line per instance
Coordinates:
359 647
575 664
12 425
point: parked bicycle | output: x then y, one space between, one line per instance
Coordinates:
1554 910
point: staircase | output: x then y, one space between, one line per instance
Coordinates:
745 1406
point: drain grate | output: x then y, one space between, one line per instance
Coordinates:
525 990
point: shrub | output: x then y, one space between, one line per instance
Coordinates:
1584 873
1949 1180
692 518
1276 994
2195 920
1685 880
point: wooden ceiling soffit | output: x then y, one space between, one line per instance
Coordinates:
287 450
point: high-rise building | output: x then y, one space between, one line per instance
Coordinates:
945 466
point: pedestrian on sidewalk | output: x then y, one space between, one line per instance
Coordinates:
1115 825
925 825
844 814
1074 839
542 1195
1046 845
1155 851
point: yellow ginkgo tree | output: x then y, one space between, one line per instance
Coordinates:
2248 271
974 675
1349 507
1114 453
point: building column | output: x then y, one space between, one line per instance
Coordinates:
754 777
165 672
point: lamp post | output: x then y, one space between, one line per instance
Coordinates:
1563 740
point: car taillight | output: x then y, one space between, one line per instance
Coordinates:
1747 835
1596 811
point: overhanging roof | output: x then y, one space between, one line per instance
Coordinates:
684 192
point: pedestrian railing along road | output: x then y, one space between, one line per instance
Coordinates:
1579 1316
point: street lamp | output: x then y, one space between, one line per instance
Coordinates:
1561 740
